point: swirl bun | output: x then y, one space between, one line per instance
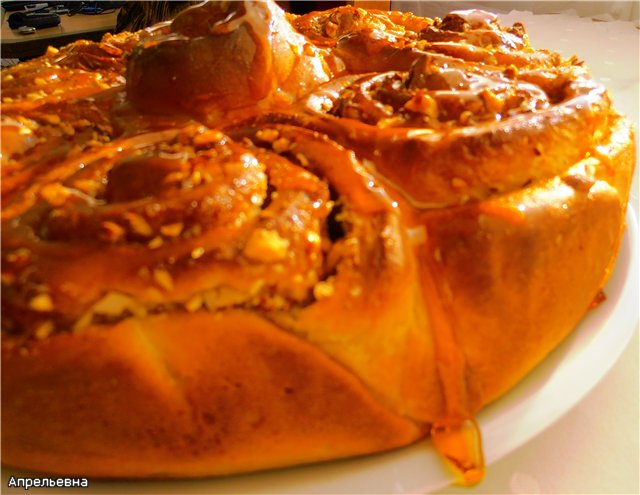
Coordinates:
257 240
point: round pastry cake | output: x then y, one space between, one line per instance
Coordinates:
246 239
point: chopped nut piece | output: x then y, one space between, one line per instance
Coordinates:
465 117
163 278
172 229
51 119
313 237
197 253
492 101
44 330
111 232
323 289
266 245
41 302
304 161
155 243
55 194
194 303
330 29
138 224
206 138
116 303
424 104
269 135
281 145
223 297
174 177
195 179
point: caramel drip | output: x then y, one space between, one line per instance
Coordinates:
460 445
456 435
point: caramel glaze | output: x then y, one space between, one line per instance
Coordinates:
350 137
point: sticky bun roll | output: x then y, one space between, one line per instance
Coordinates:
80 69
518 181
376 41
210 306
59 105
222 57
446 135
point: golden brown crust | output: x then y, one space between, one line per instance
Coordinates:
361 262
186 395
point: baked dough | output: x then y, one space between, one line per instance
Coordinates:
247 239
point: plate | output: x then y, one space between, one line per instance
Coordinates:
542 398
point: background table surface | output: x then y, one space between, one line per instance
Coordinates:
78 26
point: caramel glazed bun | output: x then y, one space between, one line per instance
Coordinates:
246 239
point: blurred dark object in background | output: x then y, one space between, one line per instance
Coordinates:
137 15
304 7
71 6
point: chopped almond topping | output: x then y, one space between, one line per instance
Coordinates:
197 253
138 224
174 177
44 330
172 229
163 278
465 117
269 135
223 297
206 138
424 104
111 232
51 119
266 245
281 145
492 101
313 237
194 303
330 29
41 302
304 161
155 243
323 289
